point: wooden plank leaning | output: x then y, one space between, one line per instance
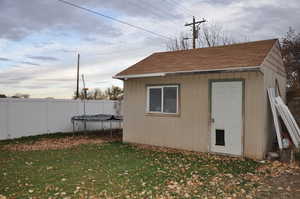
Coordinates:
287 121
271 94
291 119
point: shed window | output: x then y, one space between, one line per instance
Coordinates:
155 99
162 99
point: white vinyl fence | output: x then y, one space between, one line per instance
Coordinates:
26 117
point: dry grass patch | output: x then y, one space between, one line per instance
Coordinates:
59 141
50 143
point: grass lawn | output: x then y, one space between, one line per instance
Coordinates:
117 170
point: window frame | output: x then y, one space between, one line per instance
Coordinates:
162 99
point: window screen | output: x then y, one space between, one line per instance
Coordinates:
170 99
155 99
220 137
162 99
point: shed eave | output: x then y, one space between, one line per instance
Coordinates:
139 75
233 69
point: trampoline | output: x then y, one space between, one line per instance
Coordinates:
101 118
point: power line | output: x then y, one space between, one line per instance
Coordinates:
113 19
158 9
180 5
151 9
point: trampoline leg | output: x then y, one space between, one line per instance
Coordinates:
110 130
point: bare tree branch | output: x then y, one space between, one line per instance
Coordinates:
209 35
290 50
180 43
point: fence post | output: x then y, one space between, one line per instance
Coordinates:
7 120
47 115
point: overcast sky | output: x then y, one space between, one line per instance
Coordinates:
39 39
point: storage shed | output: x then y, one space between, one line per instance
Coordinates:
207 99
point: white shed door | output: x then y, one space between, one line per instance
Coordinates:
226 113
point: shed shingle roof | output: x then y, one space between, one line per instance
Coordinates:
248 54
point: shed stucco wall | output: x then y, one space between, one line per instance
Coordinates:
191 129
273 69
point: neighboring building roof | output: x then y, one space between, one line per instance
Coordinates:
242 55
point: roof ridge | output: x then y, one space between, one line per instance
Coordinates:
221 46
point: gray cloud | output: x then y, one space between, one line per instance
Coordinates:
22 86
33 86
269 21
4 59
13 79
42 44
6 82
19 18
251 19
29 63
66 79
18 79
220 2
100 82
43 58
157 9
67 51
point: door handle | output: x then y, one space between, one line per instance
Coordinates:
212 120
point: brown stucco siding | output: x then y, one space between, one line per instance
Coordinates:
165 131
190 130
254 120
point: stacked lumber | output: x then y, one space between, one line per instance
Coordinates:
280 110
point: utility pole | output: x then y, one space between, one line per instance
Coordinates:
84 88
195 29
77 90
84 98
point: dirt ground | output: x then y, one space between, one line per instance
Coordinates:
284 186
279 181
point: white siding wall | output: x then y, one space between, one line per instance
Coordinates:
25 117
